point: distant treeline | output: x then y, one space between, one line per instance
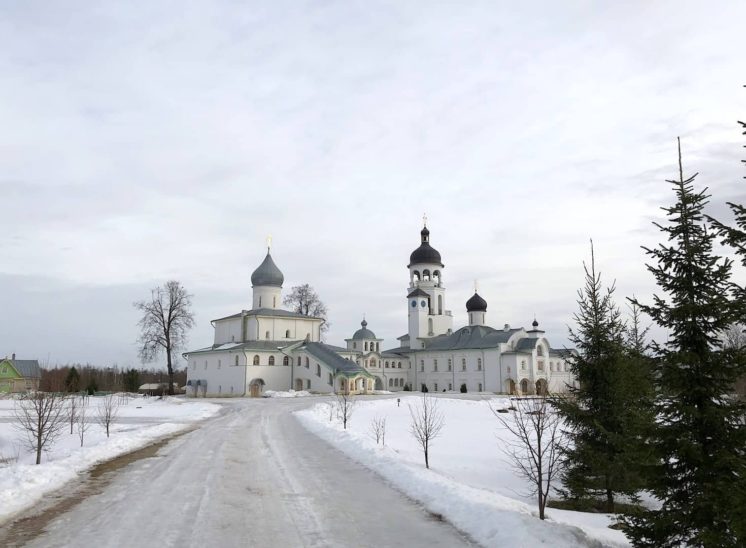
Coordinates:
77 377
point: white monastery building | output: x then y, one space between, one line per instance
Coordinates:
268 348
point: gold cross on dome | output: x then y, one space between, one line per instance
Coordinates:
424 219
269 242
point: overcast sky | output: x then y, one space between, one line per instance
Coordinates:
166 140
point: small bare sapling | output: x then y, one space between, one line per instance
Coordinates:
427 422
378 430
107 412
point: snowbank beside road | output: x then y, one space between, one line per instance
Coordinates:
286 394
140 421
471 483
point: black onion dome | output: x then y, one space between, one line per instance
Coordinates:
425 253
535 324
363 333
476 304
267 273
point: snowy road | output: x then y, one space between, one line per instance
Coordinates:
253 476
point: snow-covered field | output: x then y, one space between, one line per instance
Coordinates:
139 422
470 482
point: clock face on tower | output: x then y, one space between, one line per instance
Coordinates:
423 304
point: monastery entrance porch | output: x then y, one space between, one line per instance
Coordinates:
355 385
255 388
510 387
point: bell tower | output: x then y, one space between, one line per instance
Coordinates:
426 294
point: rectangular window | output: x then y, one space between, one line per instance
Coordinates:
318 370
331 380
435 365
479 364
436 386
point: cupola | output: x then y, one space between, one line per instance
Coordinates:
476 307
425 254
267 273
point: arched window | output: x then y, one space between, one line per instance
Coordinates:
256 359
354 345
306 362
539 350
285 361
450 364
271 360
318 370
386 364
366 346
391 383
425 275
416 275
399 365
378 347
440 305
236 359
266 335
463 364
435 365
429 326
479 365
298 360
436 276
287 334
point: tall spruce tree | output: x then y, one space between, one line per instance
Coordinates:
699 433
603 416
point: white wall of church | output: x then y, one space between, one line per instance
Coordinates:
219 369
228 331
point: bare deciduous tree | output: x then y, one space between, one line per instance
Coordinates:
378 429
83 425
427 422
303 299
41 416
535 448
734 337
345 407
73 406
166 318
107 412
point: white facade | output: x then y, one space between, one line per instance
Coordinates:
268 348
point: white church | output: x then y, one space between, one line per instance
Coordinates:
268 348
